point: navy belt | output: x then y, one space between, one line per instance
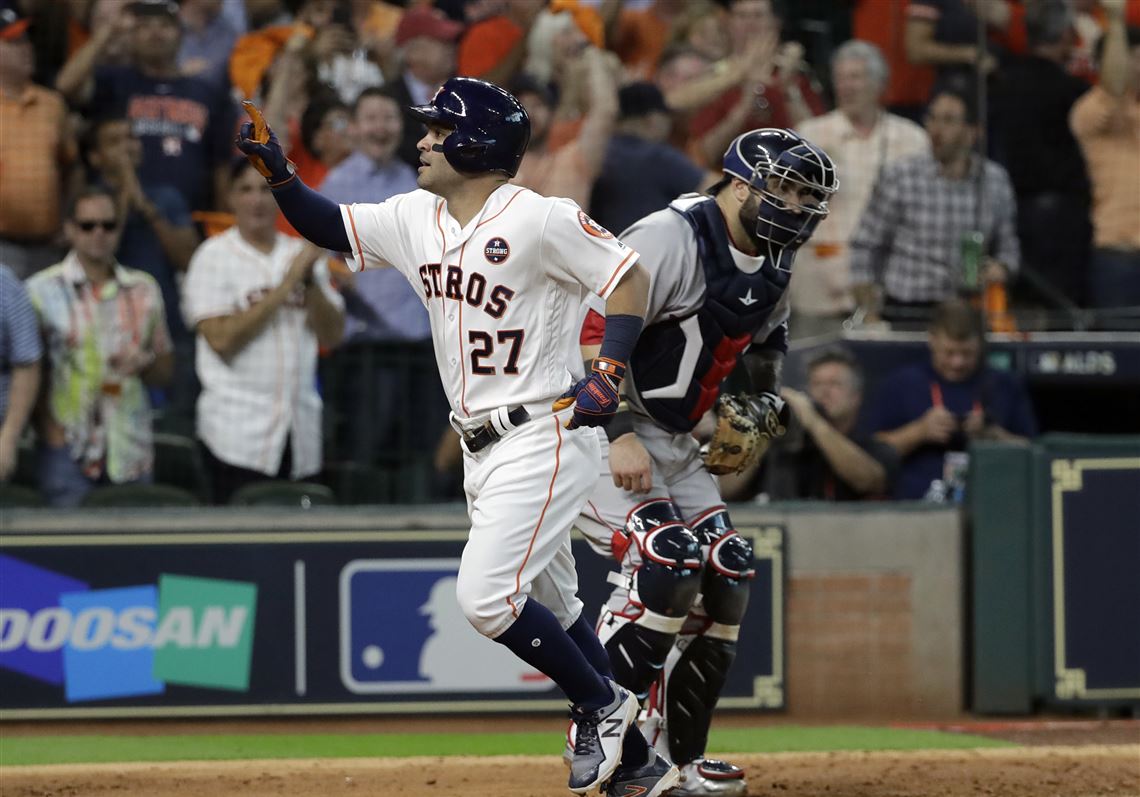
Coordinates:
478 439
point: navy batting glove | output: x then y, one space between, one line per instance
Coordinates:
596 397
266 156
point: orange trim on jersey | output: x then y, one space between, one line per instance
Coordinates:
500 213
534 535
462 357
355 237
614 276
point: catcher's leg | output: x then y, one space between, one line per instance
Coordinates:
697 666
658 582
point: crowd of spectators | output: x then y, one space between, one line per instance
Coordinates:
143 270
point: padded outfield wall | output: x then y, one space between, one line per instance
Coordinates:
223 612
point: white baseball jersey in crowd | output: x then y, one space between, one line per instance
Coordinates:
267 391
504 294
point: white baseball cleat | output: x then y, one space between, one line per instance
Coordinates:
598 739
710 778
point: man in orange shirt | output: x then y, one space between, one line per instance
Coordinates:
1106 123
37 155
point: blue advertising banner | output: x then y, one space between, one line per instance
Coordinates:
253 622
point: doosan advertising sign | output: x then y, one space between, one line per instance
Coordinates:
130 622
126 641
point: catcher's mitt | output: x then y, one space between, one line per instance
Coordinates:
745 425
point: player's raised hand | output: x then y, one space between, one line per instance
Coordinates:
260 145
596 397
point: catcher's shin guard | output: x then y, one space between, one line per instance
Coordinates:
658 583
695 672
636 653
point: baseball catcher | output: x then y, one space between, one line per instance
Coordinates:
719 267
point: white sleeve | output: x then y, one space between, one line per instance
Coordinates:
377 233
575 248
209 290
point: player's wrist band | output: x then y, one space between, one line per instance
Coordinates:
620 336
620 424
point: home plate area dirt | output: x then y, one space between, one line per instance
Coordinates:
1039 771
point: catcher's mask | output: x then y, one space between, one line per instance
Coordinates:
794 180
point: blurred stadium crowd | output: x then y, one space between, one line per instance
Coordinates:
160 324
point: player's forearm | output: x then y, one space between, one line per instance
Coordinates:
631 295
317 218
858 469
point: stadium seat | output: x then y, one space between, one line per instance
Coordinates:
140 495
14 496
354 483
178 462
283 493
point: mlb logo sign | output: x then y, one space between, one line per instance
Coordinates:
402 631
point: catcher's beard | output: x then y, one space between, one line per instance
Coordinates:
749 215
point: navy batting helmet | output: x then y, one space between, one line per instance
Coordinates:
490 127
761 154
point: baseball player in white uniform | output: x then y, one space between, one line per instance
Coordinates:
719 269
502 272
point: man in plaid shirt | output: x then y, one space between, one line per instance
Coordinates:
908 244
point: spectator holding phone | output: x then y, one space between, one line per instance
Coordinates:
929 412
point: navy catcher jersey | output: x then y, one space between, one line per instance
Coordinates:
708 303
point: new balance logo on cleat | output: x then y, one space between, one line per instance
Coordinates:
655 778
633 791
615 729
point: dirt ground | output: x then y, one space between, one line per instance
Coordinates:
1103 771
1063 759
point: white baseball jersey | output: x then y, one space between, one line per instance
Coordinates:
267 391
503 292
504 297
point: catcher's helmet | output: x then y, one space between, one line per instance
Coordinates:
490 127
758 155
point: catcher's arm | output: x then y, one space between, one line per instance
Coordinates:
630 465
765 370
